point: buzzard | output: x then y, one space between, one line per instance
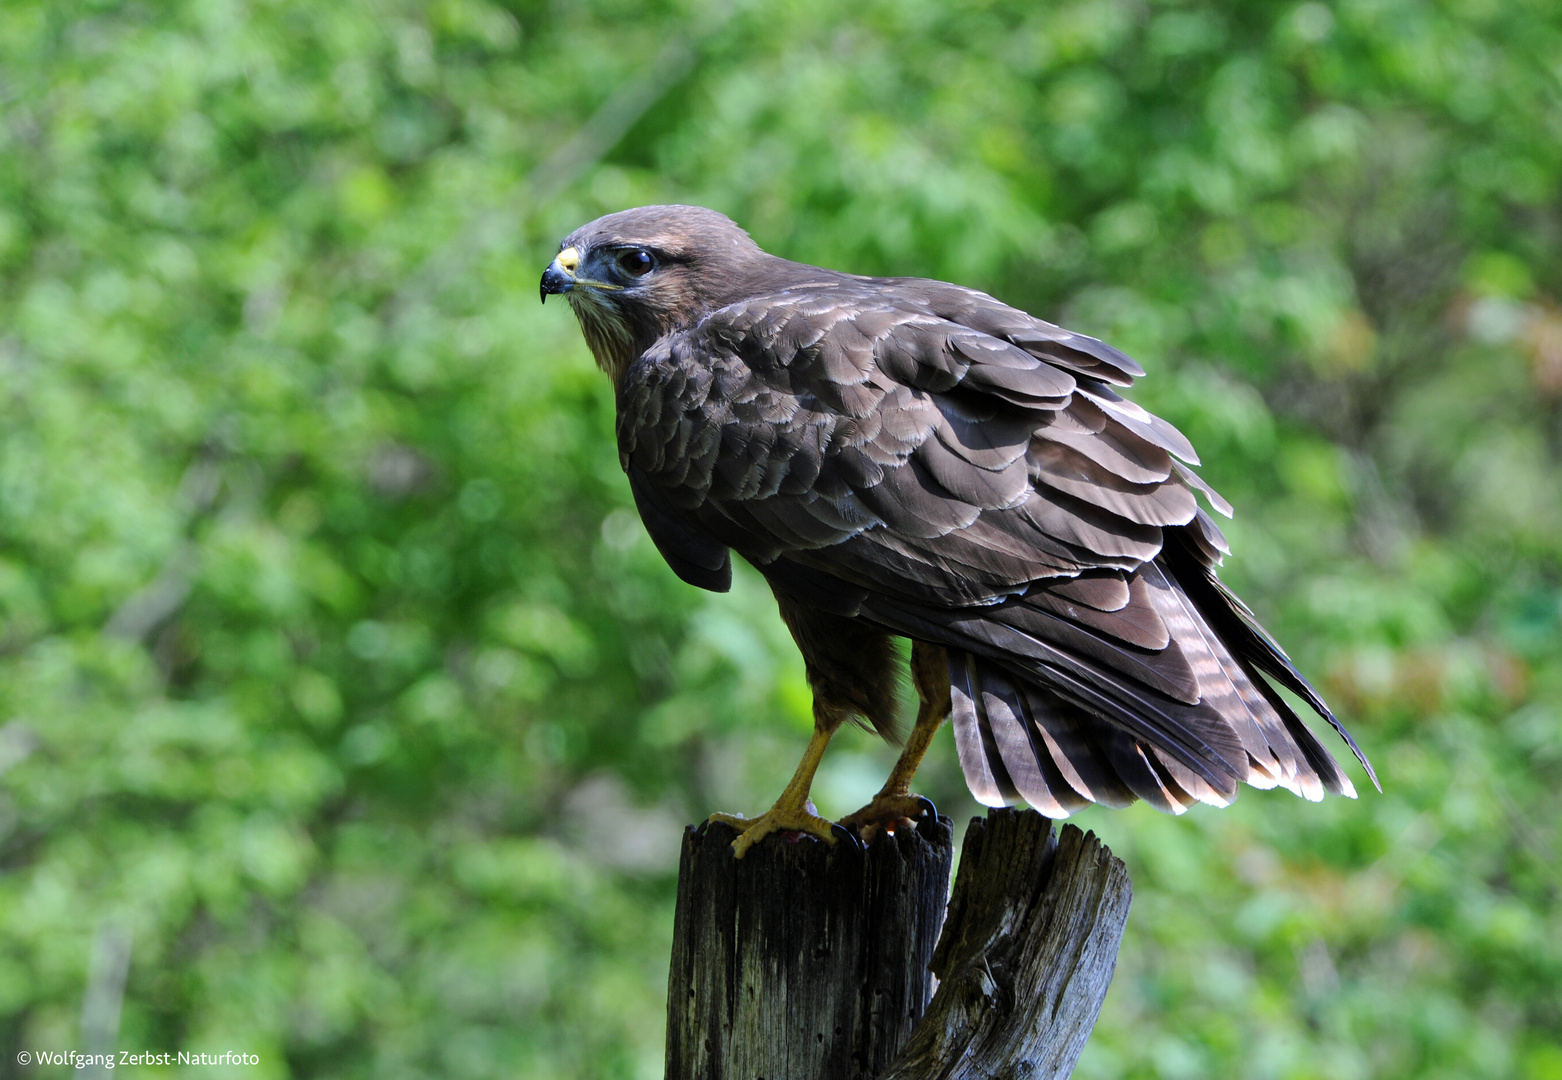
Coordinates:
905 458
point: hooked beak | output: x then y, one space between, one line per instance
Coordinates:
559 277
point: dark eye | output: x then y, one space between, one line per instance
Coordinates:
636 263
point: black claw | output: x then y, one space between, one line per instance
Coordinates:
841 830
928 808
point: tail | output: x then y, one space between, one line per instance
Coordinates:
1149 685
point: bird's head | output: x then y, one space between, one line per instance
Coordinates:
636 275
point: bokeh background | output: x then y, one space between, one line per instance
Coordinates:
347 716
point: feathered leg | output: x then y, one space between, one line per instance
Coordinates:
894 805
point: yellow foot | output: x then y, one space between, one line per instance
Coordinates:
800 819
889 812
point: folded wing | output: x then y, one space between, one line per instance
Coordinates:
962 473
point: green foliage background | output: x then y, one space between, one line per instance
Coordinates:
339 683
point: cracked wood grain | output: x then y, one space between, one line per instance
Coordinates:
811 961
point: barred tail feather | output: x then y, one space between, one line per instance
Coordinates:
1063 715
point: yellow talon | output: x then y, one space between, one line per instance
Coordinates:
778 818
888 810
794 811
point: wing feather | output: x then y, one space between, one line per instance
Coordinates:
1103 592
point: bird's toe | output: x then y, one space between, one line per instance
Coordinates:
795 822
890 813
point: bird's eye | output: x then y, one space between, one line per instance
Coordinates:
636 263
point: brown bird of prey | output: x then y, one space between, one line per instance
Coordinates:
907 458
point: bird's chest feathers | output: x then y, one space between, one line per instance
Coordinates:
689 422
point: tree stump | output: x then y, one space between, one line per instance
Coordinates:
1026 956
802 960
806 961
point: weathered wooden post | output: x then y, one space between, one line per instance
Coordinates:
1026 955
807 961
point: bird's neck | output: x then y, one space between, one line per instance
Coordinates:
611 343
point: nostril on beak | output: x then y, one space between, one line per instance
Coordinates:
555 280
559 277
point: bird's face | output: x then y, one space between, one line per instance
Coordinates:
601 270
607 287
637 275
